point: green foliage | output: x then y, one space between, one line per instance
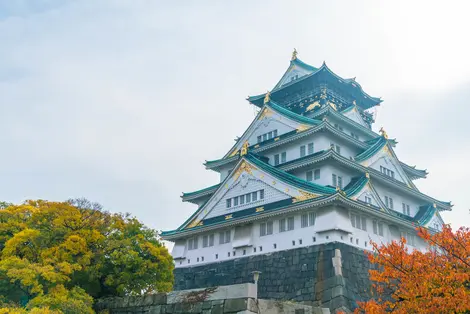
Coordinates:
56 256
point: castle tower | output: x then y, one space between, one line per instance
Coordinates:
307 176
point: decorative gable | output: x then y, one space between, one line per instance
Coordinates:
293 73
385 161
435 222
368 195
353 114
247 179
268 124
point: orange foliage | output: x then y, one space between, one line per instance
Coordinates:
433 281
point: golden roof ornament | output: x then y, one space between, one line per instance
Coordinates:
267 97
244 149
367 175
294 55
383 133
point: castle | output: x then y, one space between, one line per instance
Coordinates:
309 171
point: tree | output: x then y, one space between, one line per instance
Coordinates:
433 281
60 255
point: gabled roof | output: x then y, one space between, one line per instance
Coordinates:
251 162
296 63
283 139
363 99
326 154
376 145
265 110
414 173
191 196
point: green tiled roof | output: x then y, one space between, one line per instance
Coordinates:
355 185
289 178
292 115
190 194
413 172
379 143
354 86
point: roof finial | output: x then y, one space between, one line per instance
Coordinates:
383 133
244 149
267 97
294 54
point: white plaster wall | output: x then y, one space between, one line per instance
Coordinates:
270 195
291 239
387 162
321 141
329 169
398 198
270 124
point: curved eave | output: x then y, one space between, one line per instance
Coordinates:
425 214
414 173
191 196
296 62
279 110
288 208
327 110
372 150
375 174
366 102
287 138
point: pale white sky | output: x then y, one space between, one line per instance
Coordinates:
122 101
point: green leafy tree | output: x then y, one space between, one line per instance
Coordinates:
59 255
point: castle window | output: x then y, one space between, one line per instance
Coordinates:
267 136
261 194
309 176
286 224
224 237
354 135
261 249
300 241
337 181
229 203
316 174
302 151
216 256
358 222
242 199
254 249
202 259
293 242
307 219
276 159
283 157
409 237
197 260
387 172
368 199
208 240
235 201
378 227
310 148
244 252
248 197
254 196
339 127
192 243
266 228
406 209
389 202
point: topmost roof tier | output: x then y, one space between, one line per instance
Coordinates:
301 77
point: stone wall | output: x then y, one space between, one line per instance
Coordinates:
216 300
311 274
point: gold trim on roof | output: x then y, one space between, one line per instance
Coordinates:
244 167
304 196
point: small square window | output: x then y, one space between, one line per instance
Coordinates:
302 151
309 176
254 196
314 239
244 252
283 157
300 241
261 194
293 242
254 249
316 174
228 254
216 256
248 198
261 249
275 245
310 148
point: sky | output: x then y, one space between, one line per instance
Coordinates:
121 102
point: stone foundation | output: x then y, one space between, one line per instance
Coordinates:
240 299
333 275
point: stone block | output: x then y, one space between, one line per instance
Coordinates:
235 305
218 309
207 305
155 309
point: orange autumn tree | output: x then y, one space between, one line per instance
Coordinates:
433 281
